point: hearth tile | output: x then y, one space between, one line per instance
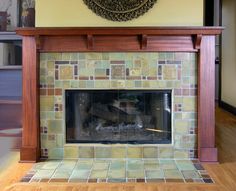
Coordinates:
71 152
150 152
172 174
190 174
80 174
86 152
34 180
93 180
78 180
181 126
135 165
101 165
40 174
45 180
59 180
208 180
198 166
84 165
131 180
98 174
168 166
58 115
151 165
75 84
117 72
102 180
155 180
185 165
146 84
100 72
166 152
62 174
46 103
116 180
118 152
82 84
118 165
102 152
180 154
154 174
114 174
135 152
152 72
67 165
130 84
135 174
174 180
50 165
198 180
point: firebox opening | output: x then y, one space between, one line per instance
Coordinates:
118 116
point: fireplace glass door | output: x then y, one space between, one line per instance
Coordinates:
118 116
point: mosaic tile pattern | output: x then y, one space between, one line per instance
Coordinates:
97 171
61 71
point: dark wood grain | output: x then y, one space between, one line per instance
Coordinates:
206 100
30 139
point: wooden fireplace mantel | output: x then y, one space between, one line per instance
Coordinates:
137 39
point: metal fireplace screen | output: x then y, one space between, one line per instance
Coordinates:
118 116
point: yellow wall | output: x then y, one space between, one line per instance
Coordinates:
64 13
228 52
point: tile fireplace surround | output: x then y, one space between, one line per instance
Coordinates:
178 59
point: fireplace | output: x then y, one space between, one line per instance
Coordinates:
118 116
49 76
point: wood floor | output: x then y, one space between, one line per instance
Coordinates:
224 173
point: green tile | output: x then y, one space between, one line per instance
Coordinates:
166 152
86 152
55 126
185 165
151 165
66 72
134 165
117 173
46 103
55 153
135 174
150 152
80 174
100 165
84 165
173 174
135 152
47 174
98 174
50 165
154 174
102 152
61 174
118 152
67 165
117 165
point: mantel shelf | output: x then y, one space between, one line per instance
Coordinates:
55 31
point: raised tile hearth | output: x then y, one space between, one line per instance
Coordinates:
118 171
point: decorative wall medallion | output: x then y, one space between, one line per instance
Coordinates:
120 10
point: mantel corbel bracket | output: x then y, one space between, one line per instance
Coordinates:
90 41
197 39
144 41
38 42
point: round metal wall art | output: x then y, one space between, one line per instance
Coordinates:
120 10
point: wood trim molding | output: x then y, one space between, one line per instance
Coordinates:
179 39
